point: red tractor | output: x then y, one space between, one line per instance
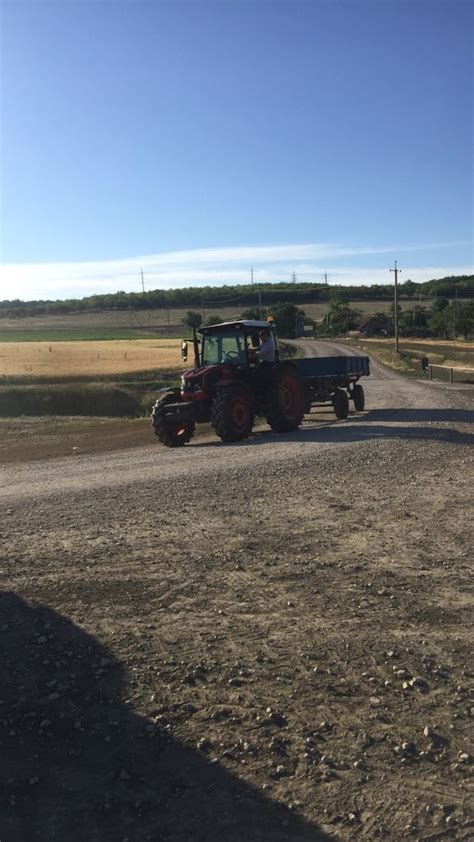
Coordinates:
226 388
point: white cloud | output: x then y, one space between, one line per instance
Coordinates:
210 266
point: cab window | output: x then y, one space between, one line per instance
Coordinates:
223 348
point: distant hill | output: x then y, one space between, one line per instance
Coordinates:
244 295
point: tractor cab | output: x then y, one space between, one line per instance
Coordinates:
231 343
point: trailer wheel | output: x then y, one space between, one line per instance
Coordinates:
232 413
340 402
358 397
285 404
171 434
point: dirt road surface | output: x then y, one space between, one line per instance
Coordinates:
253 642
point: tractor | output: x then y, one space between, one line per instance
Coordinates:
225 387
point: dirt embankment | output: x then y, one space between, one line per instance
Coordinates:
264 641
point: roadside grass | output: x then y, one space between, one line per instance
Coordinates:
408 360
132 399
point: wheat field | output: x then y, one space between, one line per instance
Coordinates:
69 359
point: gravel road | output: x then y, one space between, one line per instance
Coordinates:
262 641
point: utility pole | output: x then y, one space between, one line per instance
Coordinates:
293 277
143 281
326 278
455 312
395 304
251 274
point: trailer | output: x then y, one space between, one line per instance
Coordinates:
227 388
334 380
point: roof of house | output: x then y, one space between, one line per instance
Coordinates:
366 320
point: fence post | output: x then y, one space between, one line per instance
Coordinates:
450 375
430 369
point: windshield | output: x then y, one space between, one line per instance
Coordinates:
223 347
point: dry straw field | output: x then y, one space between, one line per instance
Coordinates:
69 359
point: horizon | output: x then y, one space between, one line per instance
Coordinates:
221 266
247 285
290 137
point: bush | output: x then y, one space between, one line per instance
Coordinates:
192 319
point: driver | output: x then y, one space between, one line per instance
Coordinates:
266 358
266 351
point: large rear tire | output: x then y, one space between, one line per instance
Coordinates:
232 413
170 433
340 402
358 397
285 402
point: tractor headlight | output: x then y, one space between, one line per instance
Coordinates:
190 385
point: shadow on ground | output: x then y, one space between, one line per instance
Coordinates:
361 427
462 416
76 763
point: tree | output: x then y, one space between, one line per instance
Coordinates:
408 288
254 313
286 317
214 320
464 318
339 313
418 317
439 304
440 322
192 319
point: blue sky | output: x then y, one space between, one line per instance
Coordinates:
196 139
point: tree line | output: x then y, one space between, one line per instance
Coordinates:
443 318
246 295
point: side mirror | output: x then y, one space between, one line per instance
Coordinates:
184 350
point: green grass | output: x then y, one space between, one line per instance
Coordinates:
131 400
79 335
161 376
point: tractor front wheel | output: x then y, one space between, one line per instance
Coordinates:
232 414
170 433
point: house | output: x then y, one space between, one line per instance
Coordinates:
303 329
373 326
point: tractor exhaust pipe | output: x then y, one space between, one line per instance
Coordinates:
197 362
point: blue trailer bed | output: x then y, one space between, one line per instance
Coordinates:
334 380
317 367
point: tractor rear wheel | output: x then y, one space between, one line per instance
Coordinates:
285 402
340 402
170 433
358 397
232 413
